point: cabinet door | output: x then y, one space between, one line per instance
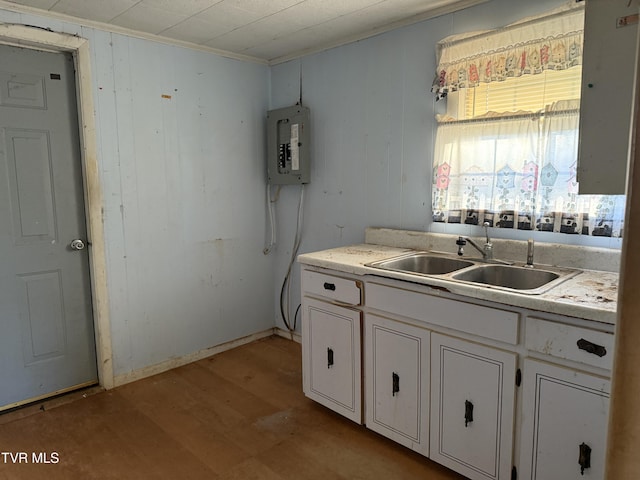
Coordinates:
397 381
562 410
331 364
608 70
472 407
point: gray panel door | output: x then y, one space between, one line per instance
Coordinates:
47 340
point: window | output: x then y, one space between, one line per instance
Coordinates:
506 149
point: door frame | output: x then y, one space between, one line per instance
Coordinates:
39 39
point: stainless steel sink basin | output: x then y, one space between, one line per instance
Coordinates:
510 277
423 263
513 278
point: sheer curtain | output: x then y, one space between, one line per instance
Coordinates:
519 172
485 168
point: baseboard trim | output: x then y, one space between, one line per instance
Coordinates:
171 363
296 337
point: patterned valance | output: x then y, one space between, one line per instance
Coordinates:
527 47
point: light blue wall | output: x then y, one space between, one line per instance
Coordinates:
184 194
373 130
183 178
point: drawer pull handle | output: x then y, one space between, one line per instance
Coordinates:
591 347
330 286
329 357
468 412
584 459
395 388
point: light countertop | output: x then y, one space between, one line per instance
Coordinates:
590 295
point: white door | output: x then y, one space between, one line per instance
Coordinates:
472 408
397 381
331 356
47 343
564 431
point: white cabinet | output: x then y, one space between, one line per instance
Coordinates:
331 357
607 96
472 407
331 342
439 376
397 381
565 423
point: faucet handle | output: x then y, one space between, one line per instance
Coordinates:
461 242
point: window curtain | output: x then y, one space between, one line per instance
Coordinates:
531 46
485 168
516 170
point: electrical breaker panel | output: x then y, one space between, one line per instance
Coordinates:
288 146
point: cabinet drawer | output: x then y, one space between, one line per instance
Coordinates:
570 342
486 322
342 290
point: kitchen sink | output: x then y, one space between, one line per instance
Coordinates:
423 263
515 278
511 277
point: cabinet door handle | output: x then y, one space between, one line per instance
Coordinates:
395 388
330 286
329 357
584 459
468 412
591 347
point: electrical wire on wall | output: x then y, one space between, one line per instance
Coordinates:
285 291
288 164
272 218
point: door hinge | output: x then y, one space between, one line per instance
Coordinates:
514 473
518 377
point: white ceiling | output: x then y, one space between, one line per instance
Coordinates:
263 30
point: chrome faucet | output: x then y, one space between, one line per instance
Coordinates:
530 247
486 250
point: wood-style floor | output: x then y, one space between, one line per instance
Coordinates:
238 415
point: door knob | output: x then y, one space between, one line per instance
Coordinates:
77 244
